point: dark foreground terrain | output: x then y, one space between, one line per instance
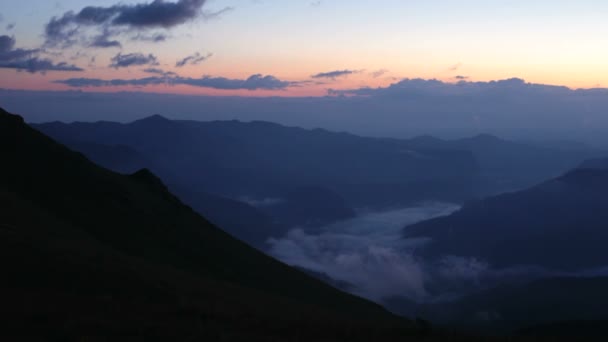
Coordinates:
87 252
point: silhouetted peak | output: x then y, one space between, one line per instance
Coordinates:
156 118
6 116
146 176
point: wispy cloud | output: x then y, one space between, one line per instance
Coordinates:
455 67
154 37
379 73
133 59
194 59
335 74
157 71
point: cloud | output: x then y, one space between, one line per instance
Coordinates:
131 59
378 73
461 77
6 43
415 87
28 60
154 38
103 41
334 74
66 29
370 253
95 82
10 26
254 82
157 71
217 14
455 67
194 59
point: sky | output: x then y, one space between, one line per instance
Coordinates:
297 47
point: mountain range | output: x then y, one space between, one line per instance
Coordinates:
86 251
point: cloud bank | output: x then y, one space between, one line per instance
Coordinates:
68 29
28 59
511 109
254 82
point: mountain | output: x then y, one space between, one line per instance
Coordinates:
559 225
86 251
597 163
261 160
544 307
509 165
241 220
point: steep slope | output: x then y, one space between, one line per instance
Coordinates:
560 225
88 251
261 159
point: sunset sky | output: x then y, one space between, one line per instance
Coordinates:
297 47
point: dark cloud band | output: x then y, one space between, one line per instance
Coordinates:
65 30
334 74
132 59
254 82
28 60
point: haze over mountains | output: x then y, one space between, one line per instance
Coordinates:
511 109
286 177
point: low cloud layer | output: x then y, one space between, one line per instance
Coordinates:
369 253
159 14
254 82
28 59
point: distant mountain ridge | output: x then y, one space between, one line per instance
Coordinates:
261 159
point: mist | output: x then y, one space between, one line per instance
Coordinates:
367 252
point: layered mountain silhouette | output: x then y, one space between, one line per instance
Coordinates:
86 251
508 165
263 160
559 225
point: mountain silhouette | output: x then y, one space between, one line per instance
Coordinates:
559 225
262 160
86 251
